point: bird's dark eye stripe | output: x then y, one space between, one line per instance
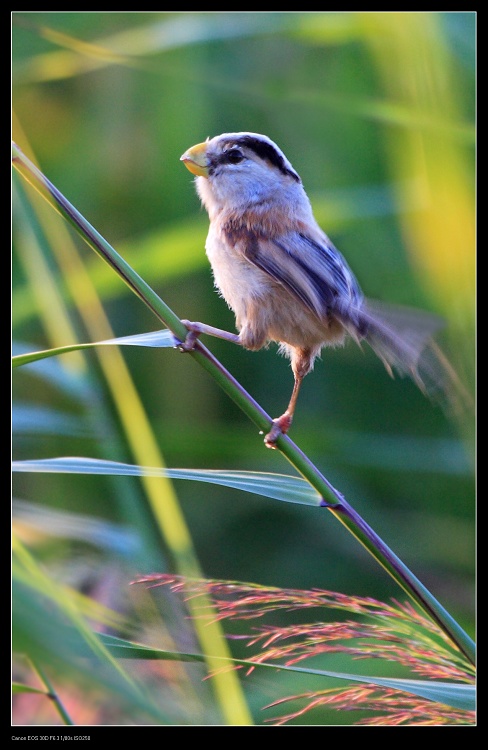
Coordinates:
232 156
266 151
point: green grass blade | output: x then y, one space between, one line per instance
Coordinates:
18 687
277 486
153 339
457 695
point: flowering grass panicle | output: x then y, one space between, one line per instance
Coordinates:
394 632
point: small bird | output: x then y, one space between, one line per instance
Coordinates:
284 279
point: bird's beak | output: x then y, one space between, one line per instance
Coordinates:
195 159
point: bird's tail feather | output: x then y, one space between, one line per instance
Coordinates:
403 339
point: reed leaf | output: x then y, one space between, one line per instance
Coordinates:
455 695
152 339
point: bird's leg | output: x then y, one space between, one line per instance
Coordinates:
282 424
196 329
302 360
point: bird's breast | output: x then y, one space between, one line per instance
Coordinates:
237 279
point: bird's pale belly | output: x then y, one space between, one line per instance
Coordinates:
264 309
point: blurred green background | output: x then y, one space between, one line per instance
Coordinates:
376 113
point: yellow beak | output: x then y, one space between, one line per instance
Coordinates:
195 159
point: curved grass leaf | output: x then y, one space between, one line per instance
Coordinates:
70 382
162 338
277 486
18 687
452 694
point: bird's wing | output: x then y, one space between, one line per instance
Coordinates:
311 268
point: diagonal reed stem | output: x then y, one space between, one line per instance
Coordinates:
331 498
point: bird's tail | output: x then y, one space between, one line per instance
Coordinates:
403 339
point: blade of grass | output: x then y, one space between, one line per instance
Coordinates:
19 687
458 695
332 499
153 338
277 486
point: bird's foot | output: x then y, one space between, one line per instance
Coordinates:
280 427
194 332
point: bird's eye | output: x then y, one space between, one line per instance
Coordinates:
234 156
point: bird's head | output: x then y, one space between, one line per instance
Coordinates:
242 170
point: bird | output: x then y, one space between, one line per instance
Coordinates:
285 280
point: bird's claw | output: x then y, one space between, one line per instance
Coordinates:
280 427
192 337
